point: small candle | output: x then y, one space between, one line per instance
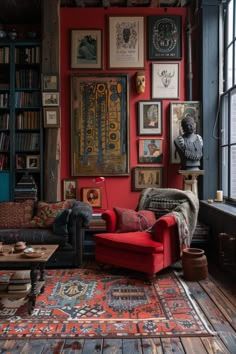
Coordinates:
219 196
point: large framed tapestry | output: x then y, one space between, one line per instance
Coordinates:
99 125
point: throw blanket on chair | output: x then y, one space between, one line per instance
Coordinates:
183 205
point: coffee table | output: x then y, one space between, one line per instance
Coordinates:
36 266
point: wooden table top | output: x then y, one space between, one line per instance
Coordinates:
47 252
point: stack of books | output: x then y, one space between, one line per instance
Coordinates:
26 188
4 281
97 221
19 282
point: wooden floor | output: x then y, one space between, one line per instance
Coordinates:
217 298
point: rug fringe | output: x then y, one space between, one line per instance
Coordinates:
194 304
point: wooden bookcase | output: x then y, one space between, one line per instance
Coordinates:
21 129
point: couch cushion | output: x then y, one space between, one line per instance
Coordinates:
129 220
136 241
32 236
16 214
46 213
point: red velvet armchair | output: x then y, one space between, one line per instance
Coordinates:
143 251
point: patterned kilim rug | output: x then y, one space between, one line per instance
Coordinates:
95 303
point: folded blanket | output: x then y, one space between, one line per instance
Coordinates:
185 207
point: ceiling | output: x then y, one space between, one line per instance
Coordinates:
29 11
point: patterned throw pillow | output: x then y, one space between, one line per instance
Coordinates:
47 212
15 214
130 220
162 206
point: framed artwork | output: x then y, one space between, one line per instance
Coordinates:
165 80
164 37
51 117
92 196
50 82
86 49
32 162
126 41
20 162
145 177
99 125
150 151
50 98
149 118
69 189
178 111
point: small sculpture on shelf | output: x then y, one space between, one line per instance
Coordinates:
189 145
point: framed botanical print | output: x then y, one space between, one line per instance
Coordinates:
50 98
178 110
145 177
150 151
69 189
86 49
164 37
165 80
149 118
50 82
126 41
51 117
99 125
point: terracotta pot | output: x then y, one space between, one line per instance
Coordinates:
194 264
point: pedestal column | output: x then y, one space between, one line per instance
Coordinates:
190 180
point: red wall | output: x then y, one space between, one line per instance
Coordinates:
118 188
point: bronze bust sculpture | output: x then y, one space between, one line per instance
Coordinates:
189 145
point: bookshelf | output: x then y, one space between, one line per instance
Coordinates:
21 130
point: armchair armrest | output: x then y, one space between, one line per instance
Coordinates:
110 217
165 230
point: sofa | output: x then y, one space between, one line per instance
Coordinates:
46 223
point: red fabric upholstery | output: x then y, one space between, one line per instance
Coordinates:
141 250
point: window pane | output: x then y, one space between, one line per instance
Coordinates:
233 172
233 117
224 120
235 62
230 22
224 171
230 67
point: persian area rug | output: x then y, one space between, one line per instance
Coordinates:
94 303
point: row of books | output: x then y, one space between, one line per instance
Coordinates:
4 141
28 120
27 99
27 55
4 162
27 78
4 120
4 55
4 100
27 141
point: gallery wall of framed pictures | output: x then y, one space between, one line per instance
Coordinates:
113 45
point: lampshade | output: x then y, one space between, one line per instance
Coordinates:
99 179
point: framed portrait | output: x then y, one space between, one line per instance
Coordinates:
149 118
69 189
150 151
126 41
92 196
165 80
50 98
86 49
145 177
50 82
32 162
20 162
51 117
99 125
164 37
178 110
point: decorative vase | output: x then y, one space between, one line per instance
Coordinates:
194 263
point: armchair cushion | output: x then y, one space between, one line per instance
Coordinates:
140 241
129 220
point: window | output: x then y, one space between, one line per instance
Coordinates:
228 105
